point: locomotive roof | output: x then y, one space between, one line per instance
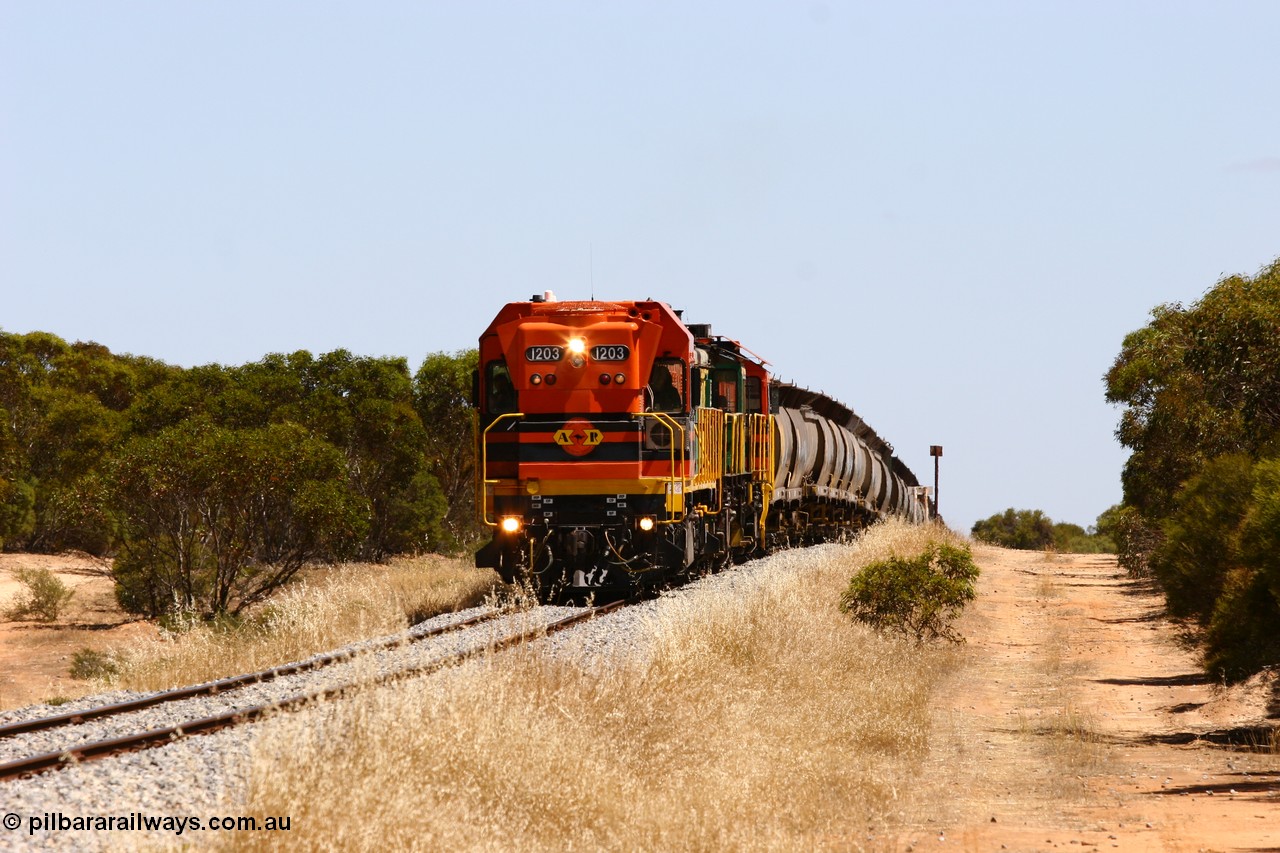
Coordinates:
550 309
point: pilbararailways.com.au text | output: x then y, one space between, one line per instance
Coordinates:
139 822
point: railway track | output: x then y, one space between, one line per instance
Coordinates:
75 718
158 736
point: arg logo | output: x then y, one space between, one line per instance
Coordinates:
578 437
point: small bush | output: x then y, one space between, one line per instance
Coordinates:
44 596
1136 538
90 665
916 596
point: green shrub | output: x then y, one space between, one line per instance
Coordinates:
1260 533
1028 529
43 597
916 596
1073 539
1202 541
1243 636
17 509
90 665
1136 538
1244 628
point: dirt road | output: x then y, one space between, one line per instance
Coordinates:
1078 720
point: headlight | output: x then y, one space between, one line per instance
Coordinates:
510 524
646 523
577 346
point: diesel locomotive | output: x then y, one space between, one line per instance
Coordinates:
621 449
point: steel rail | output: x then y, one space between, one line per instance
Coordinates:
209 688
100 749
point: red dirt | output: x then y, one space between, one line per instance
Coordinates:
35 656
1079 720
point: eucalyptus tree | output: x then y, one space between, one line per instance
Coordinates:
1200 387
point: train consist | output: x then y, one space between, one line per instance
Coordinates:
620 449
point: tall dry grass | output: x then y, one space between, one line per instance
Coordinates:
753 719
327 609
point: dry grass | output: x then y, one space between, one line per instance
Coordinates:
328 608
758 719
1265 744
1047 587
1070 746
1065 734
1012 737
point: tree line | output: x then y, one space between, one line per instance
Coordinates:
213 485
1200 391
1031 529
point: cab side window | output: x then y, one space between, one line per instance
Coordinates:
665 391
726 390
754 403
500 393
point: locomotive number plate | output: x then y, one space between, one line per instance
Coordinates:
610 352
544 353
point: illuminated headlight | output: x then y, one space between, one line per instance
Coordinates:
577 346
646 523
510 524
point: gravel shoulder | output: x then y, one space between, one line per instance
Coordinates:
203 775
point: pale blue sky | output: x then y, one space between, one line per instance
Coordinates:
946 215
